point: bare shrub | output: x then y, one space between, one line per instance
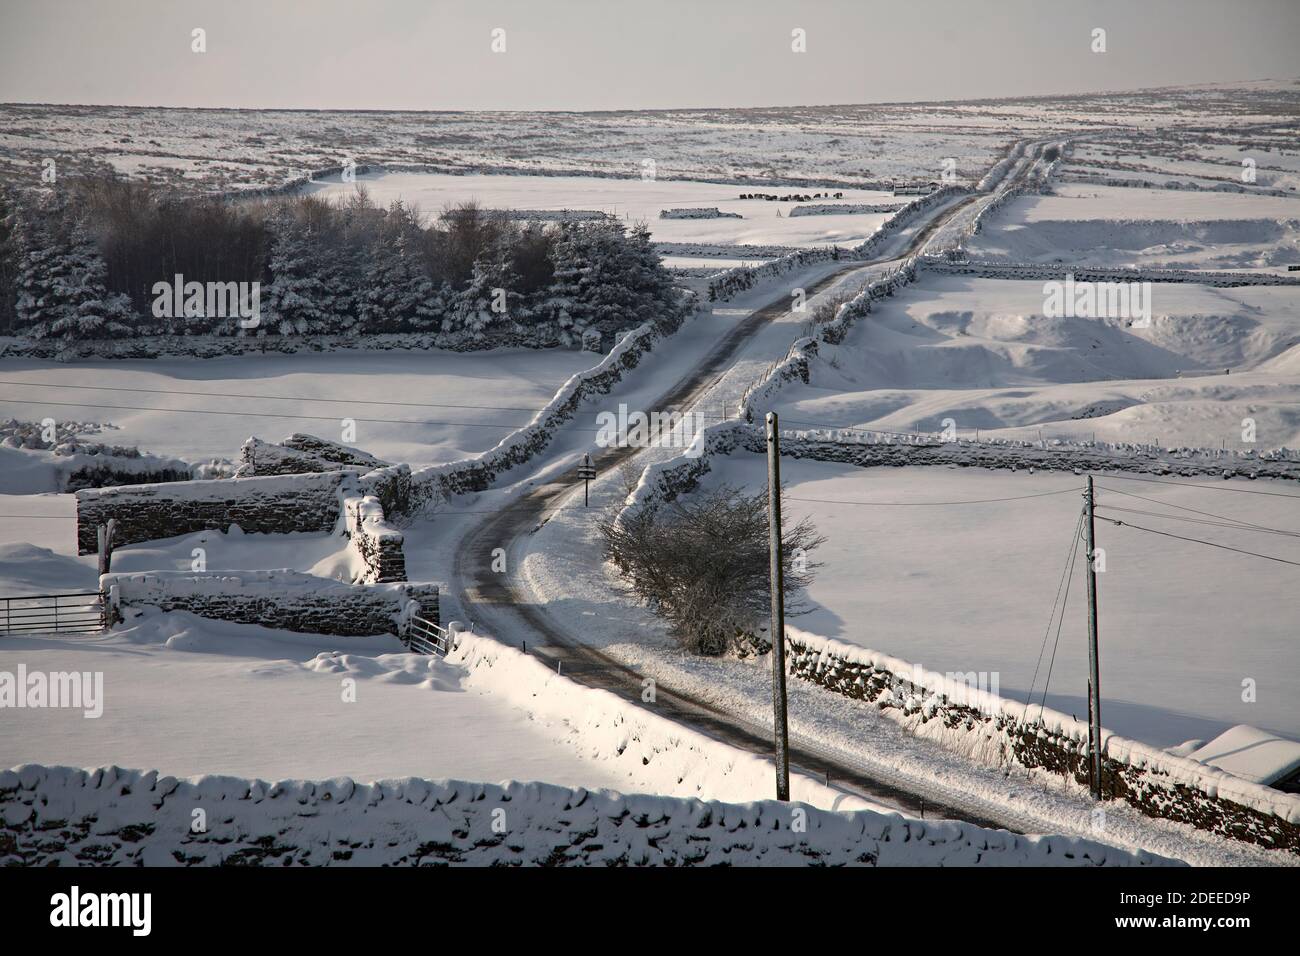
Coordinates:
701 563
629 475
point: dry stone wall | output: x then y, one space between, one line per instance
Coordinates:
277 504
289 600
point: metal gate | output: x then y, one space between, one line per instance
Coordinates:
425 637
76 612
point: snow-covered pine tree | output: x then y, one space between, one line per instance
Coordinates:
609 280
62 280
305 294
397 294
491 286
8 259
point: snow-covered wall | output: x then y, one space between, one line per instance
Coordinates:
61 816
875 449
289 600
1097 179
439 482
698 212
1083 273
376 543
277 504
840 209
737 280
994 729
299 454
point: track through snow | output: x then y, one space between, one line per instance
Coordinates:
502 603
915 776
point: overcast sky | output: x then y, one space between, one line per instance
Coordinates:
623 54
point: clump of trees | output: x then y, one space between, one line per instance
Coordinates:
83 262
702 564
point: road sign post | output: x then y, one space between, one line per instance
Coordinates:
586 471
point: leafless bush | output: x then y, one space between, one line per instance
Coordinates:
629 475
702 564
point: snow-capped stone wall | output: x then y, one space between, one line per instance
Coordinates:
376 543
697 212
60 816
986 727
1033 271
437 483
875 449
299 454
289 600
1097 179
276 504
741 278
840 209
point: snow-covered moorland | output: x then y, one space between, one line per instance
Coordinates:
984 354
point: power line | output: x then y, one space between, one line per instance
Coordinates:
1207 514
1188 484
434 514
1231 526
234 414
1224 547
274 398
1060 622
263 398
907 504
1069 563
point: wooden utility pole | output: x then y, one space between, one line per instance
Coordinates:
1094 669
777 627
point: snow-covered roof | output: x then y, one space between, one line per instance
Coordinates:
1252 754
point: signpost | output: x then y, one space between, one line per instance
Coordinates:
586 471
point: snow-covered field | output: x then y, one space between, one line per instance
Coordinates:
954 570
961 588
421 407
238 149
183 695
762 222
1121 226
982 353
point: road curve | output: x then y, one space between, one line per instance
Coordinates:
501 604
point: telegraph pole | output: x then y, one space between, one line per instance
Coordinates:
777 629
1094 674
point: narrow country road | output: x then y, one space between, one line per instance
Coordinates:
500 604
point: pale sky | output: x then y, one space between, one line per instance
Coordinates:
624 54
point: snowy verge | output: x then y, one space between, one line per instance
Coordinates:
60 816
671 758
